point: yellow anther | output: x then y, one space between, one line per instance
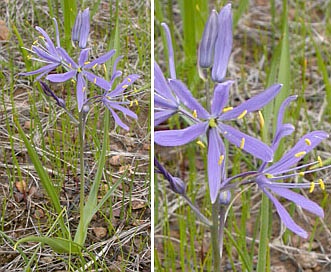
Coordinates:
125 86
131 103
84 88
194 113
136 102
269 175
36 41
73 81
108 97
41 37
227 109
242 114
129 79
320 161
221 159
95 80
312 187
95 65
299 154
261 119
308 142
86 62
321 183
104 68
201 144
242 143
29 56
301 174
212 123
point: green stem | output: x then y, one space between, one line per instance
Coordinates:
81 164
263 246
215 239
222 220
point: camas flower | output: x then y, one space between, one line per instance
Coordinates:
81 28
80 72
212 125
268 177
46 52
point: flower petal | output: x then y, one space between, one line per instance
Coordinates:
99 81
67 58
122 109
161 85
48 42
185 96
61 77
101 59
115 73
85 28
294 155
43 70
163 115
298 199
81 91
170 51
120 88
285 217
181 136
117 119
253 104
45 55
250 144
221 97
223 44
216 173
83 56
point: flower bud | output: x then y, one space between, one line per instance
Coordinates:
207 44
225 197
76 29
177 185
84 29
223 45
47 90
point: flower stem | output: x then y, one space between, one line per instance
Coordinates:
215 239
222 213
81 127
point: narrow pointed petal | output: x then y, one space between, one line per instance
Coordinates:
45 69
221 97
117 119
282 130
181 136
223 44
100 60
62 77
285 217
294 155
48 42
215 163
124 110
250 144
57 33
67 58
163 115
80 91
45 55
161 85
253 104
170 51
120 88
186 97
298 199
207 44
83 57
161 102
99 81
85 28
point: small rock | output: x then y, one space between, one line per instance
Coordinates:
115 160
21 186
307 260
100 232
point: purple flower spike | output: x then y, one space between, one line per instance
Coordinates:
207 44
223 44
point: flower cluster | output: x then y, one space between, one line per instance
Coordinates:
210 127
81 71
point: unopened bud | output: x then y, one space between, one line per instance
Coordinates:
85 28
207 44
76 29
47 90
177 185
225 197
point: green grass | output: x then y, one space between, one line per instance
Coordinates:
54 138
286 44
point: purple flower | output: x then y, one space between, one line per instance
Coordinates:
268 176
176 184
110 100
81 28
80 72
46 52
50 93
212 125
165 102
